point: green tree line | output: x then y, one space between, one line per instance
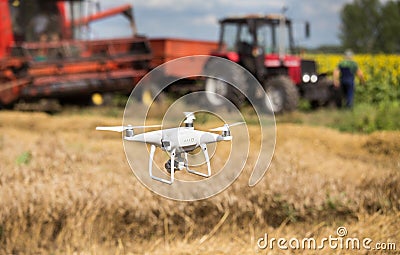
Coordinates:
371 26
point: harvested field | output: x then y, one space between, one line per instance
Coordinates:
66 189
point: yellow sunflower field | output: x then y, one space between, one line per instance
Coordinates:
382 74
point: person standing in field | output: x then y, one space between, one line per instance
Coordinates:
343 78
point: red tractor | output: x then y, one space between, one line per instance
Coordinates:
263 45
45 53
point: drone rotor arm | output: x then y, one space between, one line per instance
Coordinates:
153 138
208 137
147 126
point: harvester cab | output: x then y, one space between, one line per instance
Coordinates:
47 51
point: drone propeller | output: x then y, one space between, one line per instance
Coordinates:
123 128
227 126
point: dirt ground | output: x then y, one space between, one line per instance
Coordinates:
67 189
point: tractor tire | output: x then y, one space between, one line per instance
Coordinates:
223 89
283 94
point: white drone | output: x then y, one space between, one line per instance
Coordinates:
176 141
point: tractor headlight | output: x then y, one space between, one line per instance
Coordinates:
314 78
306 78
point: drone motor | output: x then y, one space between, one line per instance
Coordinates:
129 132
226 133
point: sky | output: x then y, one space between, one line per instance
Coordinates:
198 19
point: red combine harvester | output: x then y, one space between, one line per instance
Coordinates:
43 52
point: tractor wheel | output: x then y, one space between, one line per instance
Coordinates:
283 94
217 88
223 89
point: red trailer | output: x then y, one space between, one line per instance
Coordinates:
166 49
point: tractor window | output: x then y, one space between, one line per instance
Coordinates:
283 37
245 35
265 39
229 37
274 38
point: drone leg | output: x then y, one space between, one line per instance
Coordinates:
204 149
172 165
152 151
187 162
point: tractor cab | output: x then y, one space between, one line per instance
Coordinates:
258 42
271 33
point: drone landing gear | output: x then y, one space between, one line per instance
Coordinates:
172 167
204 149
178 164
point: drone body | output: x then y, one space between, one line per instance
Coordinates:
176 141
